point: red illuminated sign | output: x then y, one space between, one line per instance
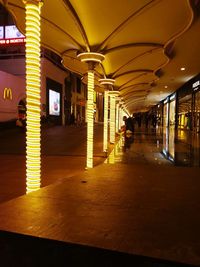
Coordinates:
10 35
12 41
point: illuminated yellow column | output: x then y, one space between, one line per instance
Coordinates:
107 82
112 95
105 126
117 118
120 114
33 136
92 59
112 119
120 117
90 119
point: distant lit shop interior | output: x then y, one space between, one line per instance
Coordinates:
172 109
166 112
189 105
196 89
185 108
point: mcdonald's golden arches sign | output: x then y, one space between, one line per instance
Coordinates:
7 93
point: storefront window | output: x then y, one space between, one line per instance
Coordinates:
197 112
166 114
185 112
172 112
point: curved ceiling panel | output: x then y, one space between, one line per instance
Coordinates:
147 26
49 30
101 18
65 24
145 42
113 66
150 61
134 89
134 95
135 78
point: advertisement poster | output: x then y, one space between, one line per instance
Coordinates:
1 32
11 31
54 103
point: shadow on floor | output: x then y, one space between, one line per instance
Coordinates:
21 250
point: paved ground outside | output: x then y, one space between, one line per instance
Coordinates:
63 155
139 202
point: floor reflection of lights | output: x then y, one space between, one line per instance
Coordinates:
168 148
117 152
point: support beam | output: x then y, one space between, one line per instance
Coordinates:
117 118
112 95
92 59
90 119
107 83
120 114
105 125
33 135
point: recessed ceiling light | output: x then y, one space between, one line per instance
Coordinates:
183 68
166 86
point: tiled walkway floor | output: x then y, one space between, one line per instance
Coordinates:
63 156
138 202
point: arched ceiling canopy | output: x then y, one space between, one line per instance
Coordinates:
145 42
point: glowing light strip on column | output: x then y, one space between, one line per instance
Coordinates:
90 119
120 117
117 119
92 58
33 136
105 131
112 119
